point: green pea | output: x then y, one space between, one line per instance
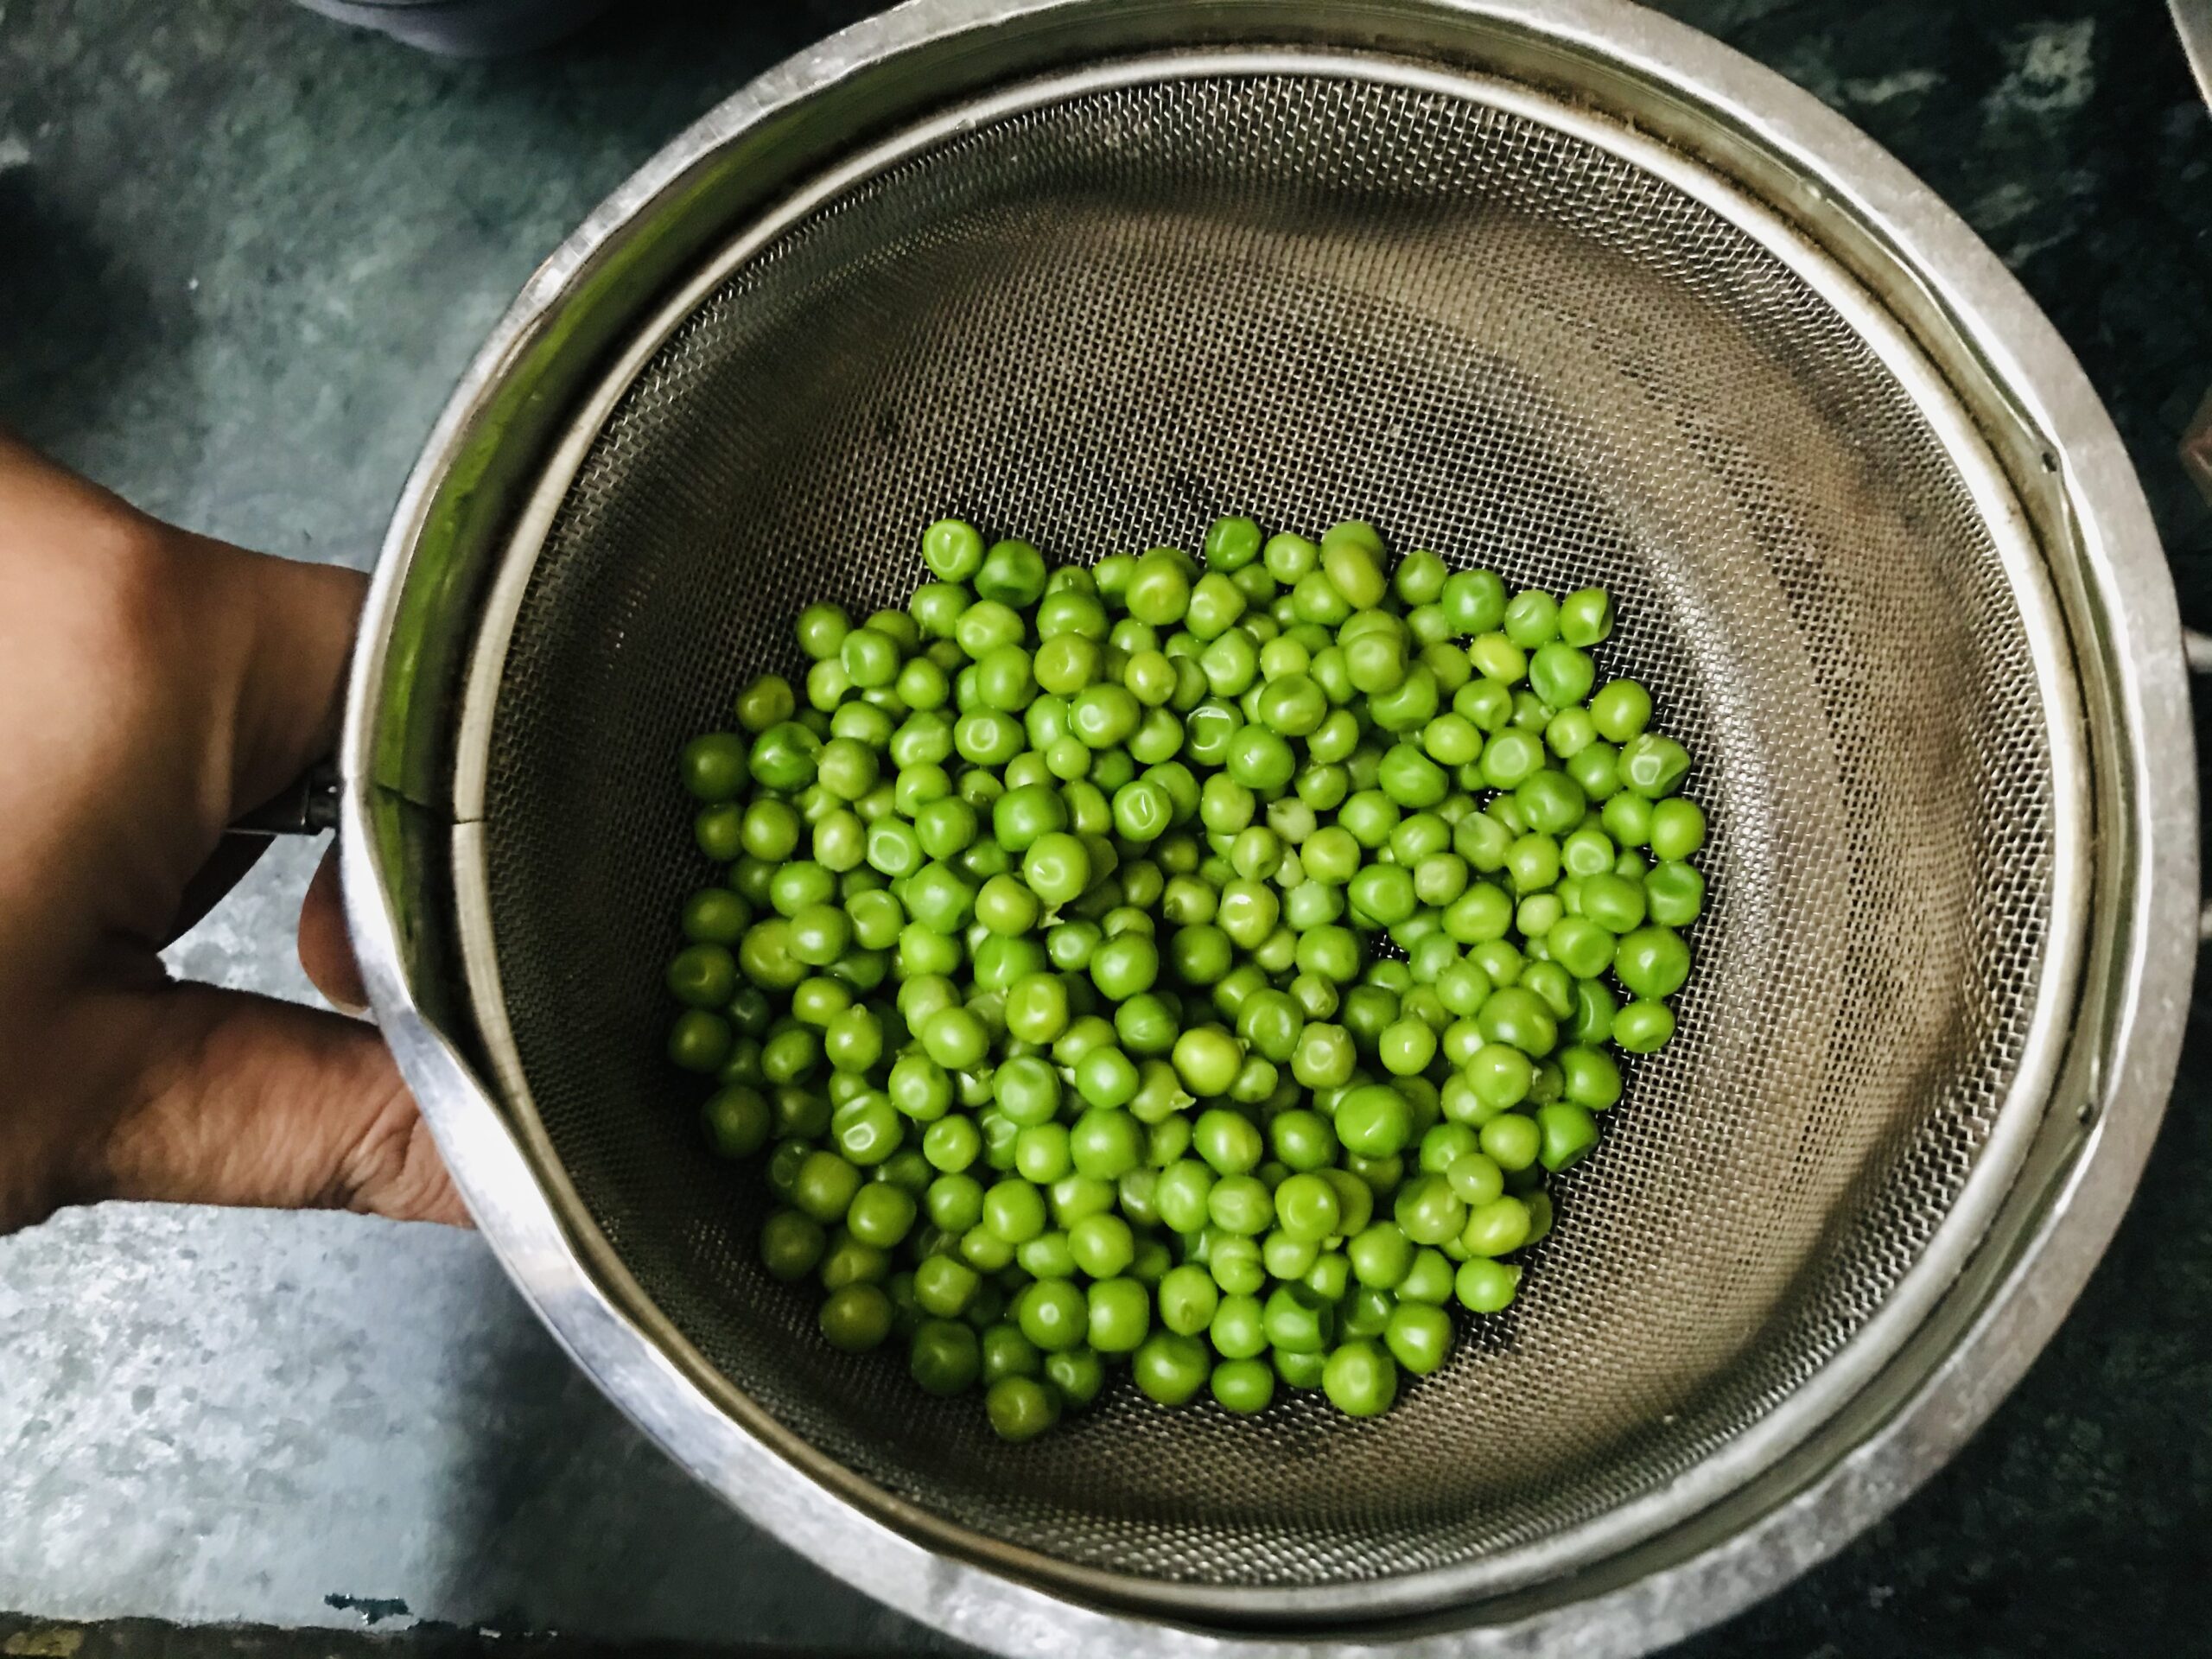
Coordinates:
1560 674
1206 1057
952 1145
1076 1374
1374 1120
952 549
1620 711
699 1041
1013 573
1325 1057
1501 1226
1643 1027
1570 1133
1627 819
1674 893
1057 867
767 700
1020 1407
1118 1315
1013 1210
1677 830
942 1356
1487 1287
1651 963
1654 766
1360 1379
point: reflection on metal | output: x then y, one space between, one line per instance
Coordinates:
2193 18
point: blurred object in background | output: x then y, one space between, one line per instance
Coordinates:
465 29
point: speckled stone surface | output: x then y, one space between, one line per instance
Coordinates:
243 254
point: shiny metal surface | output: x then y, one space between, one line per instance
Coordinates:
1893 1377
2193 22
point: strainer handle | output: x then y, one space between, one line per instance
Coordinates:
308 804
2199 647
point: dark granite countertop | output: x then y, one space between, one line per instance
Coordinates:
244 253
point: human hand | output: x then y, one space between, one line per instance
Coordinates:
155 684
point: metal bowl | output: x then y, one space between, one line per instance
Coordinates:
1562 286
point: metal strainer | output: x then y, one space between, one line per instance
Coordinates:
1555 289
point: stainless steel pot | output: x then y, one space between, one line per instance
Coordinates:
1562 286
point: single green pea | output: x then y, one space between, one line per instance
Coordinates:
856 1317
880 1214
716 916
1473 601
1158 590
699 1041
1077 1375
704 975
1569 1133
1627 819
1118 1315
1581 946
1207 1058
1374 1120
767 700
1428 1281
952 1145
1040 1153
1654 766
1501 1226
1357 546
1052 1315
1511 758
1560 674
821 629
1325 1057
1013 1210
1674 893
1531 619
1189 1299
1419 1337
1056 867
1677 830
1360 1379
1244 1386
1620 709
952 549
942 1356
1230 1142
1013 573
1020 1407
1586 617
1498 660
1643 1027
868 1130
1533 862
1651 963
1487 1287
1240 1205
716 768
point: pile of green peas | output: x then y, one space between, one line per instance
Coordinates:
1201 963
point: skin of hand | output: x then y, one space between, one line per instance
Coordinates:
155 685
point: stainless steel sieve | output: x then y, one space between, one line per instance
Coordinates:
1559 288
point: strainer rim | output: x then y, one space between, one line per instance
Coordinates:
1737 1459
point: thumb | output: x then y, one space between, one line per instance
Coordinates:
246 1100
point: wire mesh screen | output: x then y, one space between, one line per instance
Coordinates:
1100 323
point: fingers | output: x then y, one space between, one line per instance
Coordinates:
325 950
243 1100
